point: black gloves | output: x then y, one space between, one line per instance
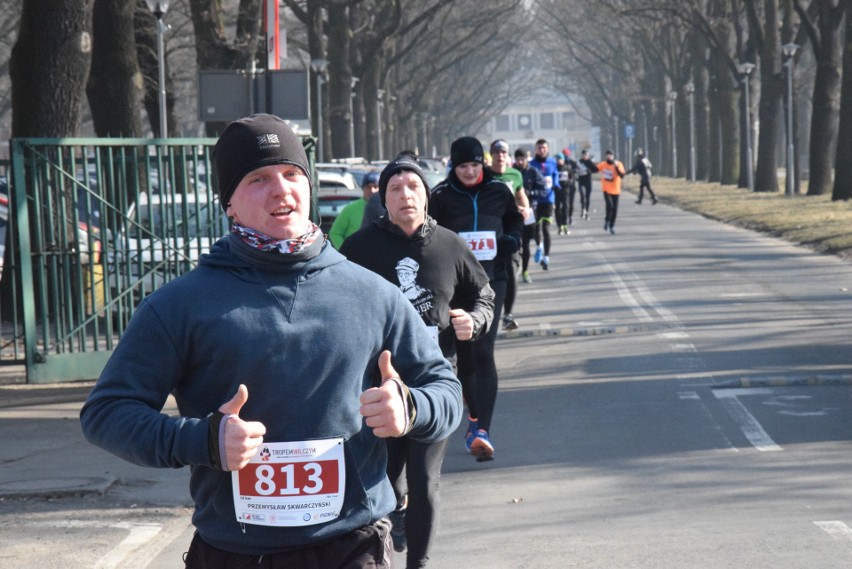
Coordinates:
506 245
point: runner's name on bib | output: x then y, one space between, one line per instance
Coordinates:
291 484
482 243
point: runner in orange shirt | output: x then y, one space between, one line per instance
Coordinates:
612 171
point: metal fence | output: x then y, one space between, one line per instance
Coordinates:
92 227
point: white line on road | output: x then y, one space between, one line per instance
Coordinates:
139 535
837 530
752 430
624 293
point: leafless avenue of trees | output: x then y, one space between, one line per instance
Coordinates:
416 74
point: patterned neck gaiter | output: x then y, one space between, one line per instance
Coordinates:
264 242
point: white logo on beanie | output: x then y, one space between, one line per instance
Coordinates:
268 141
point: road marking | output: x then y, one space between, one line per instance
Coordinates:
837 530
752 430
140 534
624 292
727 445
673 335
742 294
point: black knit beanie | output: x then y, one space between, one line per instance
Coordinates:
466 149
403 162
253 142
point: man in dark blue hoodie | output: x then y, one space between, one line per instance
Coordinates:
290 366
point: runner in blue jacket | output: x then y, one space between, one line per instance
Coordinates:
545 164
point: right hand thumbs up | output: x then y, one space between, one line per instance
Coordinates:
239 438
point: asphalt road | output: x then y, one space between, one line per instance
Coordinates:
678 395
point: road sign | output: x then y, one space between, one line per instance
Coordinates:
629 130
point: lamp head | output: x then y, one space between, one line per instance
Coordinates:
789 49
745 68
158 7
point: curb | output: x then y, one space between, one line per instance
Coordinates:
785 381
55 487
590 331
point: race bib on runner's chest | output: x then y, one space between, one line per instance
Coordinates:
482 243
291 484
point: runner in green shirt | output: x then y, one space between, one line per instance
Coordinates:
349 220
513 177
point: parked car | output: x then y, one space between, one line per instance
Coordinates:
336 191
161 237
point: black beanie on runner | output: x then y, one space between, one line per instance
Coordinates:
253 142
404 161
466 149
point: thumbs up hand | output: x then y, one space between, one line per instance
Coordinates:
462 323
384 408
240 438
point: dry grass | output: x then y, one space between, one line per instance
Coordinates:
812 221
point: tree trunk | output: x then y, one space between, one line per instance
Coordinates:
113 82
370 84
771 93
49 66
826 100
340 81
843 165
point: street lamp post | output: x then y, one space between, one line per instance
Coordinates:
319 66
159 8
672 99
615 131
745 70
689 88
380 93
789 50
352 117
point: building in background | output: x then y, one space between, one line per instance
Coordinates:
562 121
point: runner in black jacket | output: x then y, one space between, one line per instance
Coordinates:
440 276
585 169
483 211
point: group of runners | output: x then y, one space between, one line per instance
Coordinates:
302 369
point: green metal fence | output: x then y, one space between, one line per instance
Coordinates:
94 226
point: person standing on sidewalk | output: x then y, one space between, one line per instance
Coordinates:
241 342
513 178
450 291
643 168
545 164
535 191
585 168
483 211
612 171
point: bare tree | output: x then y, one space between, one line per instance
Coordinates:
49 67
825 35
843 165
112 88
